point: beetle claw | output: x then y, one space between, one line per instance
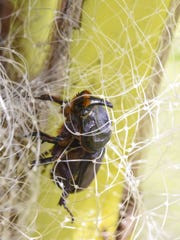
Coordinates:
62 201
27 135
31 165
34 135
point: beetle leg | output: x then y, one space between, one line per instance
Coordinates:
46 97
48 160
62 201
47 138
63 180
42 161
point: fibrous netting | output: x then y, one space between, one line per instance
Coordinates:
118 54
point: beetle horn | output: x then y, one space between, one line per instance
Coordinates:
99 101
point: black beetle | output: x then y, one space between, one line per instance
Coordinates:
80 145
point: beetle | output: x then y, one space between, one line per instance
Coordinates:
80 144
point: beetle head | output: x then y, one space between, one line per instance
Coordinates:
84 100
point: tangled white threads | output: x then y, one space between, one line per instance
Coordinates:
155 189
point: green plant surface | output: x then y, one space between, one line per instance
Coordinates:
32 30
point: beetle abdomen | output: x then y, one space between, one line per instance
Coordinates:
96 129
77 169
